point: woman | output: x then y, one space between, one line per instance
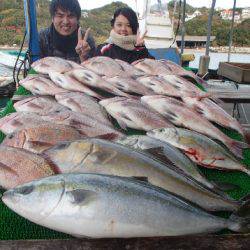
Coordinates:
124 42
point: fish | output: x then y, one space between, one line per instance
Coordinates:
159 85
130 69
181 115
104 66
151 67
199 148
42 137
163 151
69 83
102 206
129 85
92 155
40 85
50 64
41 105
159 68
81 103
5 80
91 79
18 166
18 121
185 87
213 112
133 114
85 124
178 70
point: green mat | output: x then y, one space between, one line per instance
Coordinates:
14 227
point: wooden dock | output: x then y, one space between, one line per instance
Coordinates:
200 242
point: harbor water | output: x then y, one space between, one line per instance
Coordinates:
216 58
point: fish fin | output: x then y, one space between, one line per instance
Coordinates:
8 169
141 178
38 146
109 136
245 198
241 219
225 186
122 124
81 197
244 210
237 148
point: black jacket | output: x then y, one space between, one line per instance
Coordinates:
48 45
116 52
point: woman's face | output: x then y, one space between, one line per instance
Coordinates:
65 22
122 26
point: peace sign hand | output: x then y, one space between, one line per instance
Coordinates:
82 47
140 39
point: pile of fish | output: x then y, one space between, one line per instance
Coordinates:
63 155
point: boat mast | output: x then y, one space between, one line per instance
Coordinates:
231 33
183 29
204 60
31 29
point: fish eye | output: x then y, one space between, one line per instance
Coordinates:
25 190
11 136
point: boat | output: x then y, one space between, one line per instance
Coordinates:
155 20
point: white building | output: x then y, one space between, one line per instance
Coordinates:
245 13
228 15
195 14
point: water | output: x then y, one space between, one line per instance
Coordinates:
216 58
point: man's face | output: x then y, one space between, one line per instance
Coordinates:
65 22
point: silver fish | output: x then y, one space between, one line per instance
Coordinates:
166 153
93 155
200 149
102 206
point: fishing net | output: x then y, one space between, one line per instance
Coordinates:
14 227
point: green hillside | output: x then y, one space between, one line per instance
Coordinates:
12 23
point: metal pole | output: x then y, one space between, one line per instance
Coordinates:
183 31
31 27
209 25
231 33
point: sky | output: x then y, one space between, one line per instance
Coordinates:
225 4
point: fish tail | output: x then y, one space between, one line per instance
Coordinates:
237 148
240 225
240 220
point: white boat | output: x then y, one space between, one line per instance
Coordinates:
155 19
8 60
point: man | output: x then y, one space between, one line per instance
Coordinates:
64 38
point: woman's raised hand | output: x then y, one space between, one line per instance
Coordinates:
82 47
140 39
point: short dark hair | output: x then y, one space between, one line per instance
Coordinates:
130 15
67 5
